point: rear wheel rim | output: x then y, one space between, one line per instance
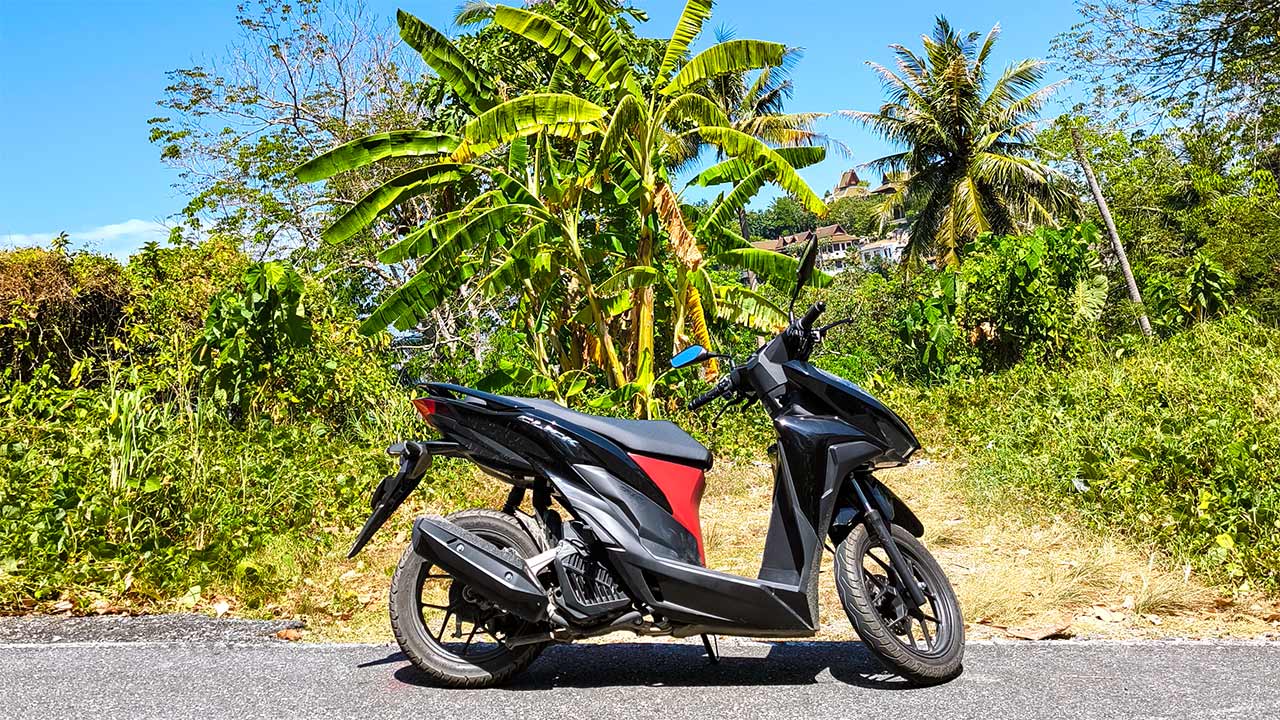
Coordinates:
926 631
459 623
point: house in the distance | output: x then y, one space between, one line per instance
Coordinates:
837 249
849 186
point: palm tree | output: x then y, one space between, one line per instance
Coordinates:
970 165
658 124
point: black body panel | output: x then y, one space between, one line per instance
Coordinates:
828 393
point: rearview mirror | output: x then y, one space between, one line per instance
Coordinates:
808 259
690 355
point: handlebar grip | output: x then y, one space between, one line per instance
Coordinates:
816 310
706 397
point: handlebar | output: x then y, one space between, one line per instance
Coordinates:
721 388
798 333
810 317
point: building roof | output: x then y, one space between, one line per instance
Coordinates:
884 187
828 231
799 237
850 185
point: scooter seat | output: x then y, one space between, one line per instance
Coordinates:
657 438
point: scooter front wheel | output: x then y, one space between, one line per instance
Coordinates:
925 645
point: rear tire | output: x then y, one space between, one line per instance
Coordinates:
924 646
416 584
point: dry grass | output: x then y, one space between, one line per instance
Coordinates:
1008 571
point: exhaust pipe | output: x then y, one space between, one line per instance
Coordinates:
499 576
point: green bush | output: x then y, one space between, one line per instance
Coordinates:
871 344
56 308
121 472
1035 296
1177 444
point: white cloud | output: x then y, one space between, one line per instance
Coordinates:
119 239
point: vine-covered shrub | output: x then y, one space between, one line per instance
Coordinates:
1011 298
57 307
119 469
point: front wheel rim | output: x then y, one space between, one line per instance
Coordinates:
926 631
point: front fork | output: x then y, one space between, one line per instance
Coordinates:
874 518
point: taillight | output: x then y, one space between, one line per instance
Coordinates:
426 407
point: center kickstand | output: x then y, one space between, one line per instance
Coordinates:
712 644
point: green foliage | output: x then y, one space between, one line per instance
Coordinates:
870 347
56 308
1190 61
116 491
1183 196
1208 289
1177 444
784 216
1035 296
119 471
859 216
250 329
929 328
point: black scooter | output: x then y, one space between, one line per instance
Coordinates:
613 541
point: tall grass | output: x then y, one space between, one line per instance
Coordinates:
1176 444
124 489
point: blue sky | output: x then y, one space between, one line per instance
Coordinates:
79 79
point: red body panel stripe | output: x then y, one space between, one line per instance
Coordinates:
682 485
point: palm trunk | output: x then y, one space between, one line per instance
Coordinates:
1143 323
612 365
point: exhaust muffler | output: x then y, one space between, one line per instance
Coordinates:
499 576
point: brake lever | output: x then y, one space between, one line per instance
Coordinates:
822 331
738 400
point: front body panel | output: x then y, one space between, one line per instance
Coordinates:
823 393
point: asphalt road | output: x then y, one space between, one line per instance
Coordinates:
175 679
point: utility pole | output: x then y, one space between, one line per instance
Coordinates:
1134 295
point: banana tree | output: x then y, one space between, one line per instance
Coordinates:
524 221
659 123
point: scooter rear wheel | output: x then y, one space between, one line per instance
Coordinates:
450 634
924 645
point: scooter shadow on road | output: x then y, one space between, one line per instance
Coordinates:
679 665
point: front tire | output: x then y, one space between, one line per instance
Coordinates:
924 645
446 631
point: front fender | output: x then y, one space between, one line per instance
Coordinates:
848 512
902 515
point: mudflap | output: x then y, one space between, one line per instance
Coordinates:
390 494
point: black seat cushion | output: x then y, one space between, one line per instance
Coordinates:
658 438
